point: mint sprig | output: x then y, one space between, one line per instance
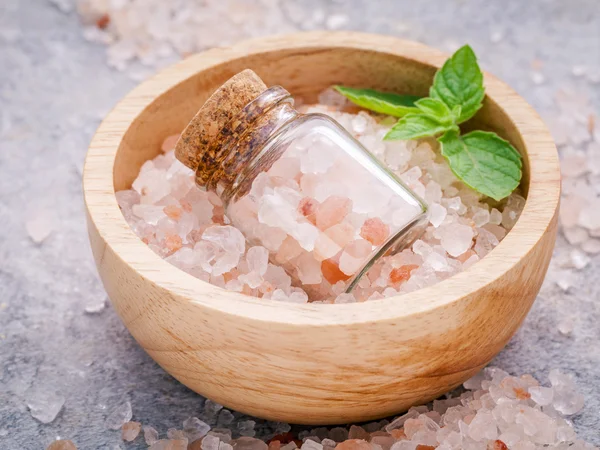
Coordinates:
382 102
482 160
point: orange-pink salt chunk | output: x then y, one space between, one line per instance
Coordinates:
331 272
332 211
169 143
173 212
341 233
375 231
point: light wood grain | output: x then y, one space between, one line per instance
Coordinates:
317 364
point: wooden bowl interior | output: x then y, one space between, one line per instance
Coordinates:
304 74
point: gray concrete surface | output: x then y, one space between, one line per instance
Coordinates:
54 89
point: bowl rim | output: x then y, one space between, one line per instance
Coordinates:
103 211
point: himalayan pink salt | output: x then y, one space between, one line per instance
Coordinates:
292 214
62 444
289 250
401 274
325 247
354 255
332 211
332 273
173 212
375 231
308 208
341 233
309 269
130 431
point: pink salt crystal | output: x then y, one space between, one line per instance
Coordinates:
332 272
309 269
169 143
62 444
173 243
354 256
496 230
375 231
341 233
325 247
354 444
402 273
332 211
289 250
172 212
308 208
130 431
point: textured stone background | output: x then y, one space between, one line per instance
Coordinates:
54 89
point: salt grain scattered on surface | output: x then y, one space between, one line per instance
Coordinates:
496 412
44 405
119 416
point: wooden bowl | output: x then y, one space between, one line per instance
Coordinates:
315 364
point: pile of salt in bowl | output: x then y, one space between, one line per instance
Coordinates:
189 228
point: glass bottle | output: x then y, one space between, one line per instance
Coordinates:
299 185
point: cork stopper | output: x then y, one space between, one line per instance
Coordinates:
196 142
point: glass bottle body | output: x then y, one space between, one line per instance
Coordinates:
321 204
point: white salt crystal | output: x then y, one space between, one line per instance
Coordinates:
437 214
345 298
495 217
309 444
150 435
96 308
40 226
44 405
210 443
481 217
120 415
336 21
258 259
566 325
537 77
579 259
541 395
455 238
194 428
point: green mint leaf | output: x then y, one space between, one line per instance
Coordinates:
436 109
382 102
460 83
483 161
456 113
415 126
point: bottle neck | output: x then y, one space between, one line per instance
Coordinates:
236 153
